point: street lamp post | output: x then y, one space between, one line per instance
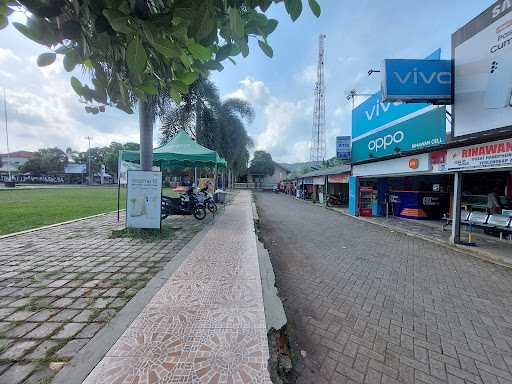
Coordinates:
89 138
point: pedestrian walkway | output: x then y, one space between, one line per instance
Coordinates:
207 323
60 286
366 304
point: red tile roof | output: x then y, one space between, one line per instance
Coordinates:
25 154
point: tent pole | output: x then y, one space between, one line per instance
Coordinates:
215 179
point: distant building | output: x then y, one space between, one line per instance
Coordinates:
13 161
267 182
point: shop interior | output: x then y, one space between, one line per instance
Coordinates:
423 204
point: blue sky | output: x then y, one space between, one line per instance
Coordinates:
43 110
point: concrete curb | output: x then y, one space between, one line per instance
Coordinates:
56 224
77 370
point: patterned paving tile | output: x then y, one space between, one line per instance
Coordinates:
207 323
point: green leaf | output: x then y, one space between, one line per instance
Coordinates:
118 21
136 57
198 51
271 26
45 59
223 52
186 78
71 59
213 65
176 96
149 90
166 47
235 22
264 4
178 86
267 49
3 21
315 7
76 85
294 8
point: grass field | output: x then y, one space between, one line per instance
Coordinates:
30 208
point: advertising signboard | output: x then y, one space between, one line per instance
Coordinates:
402 165
482 53
496 154
75 168
343 147
143 201
125 166
417 80
382 129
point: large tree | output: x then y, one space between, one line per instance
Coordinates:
262 164
46 161
215 124
142 51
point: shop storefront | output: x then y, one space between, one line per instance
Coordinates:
408 187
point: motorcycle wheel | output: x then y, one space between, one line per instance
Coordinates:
212 207
199 213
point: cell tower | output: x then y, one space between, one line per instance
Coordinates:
317 146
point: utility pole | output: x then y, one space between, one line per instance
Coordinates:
89 138
7 137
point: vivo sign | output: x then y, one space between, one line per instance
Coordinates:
417 81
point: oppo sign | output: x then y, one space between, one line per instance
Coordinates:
385 141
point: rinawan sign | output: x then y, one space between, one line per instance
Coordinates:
497 154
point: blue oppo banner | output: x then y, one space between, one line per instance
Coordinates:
384 128
417 80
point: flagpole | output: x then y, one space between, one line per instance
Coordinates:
7 136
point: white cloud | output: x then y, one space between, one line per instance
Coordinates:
285 124
251 90
8 55
308 74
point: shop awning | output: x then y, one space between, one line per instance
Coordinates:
181 151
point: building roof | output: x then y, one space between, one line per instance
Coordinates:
26 154
344 168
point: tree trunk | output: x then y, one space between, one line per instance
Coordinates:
146 135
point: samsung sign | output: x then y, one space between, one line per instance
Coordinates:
417 80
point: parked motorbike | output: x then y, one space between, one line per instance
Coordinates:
183 205
206 198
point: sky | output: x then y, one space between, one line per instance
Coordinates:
43 110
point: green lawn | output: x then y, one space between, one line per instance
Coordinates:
24 209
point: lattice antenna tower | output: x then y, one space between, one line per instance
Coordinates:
317 145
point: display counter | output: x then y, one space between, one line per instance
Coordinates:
419 205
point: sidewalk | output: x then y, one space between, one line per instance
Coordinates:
207 323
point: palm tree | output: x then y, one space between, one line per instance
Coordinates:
215 124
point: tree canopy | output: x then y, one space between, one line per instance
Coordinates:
46 161
262 164
138 49
215 124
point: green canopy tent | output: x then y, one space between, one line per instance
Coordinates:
179 152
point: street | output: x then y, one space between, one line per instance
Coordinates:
369 305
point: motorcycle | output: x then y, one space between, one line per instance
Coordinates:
182 205
206 198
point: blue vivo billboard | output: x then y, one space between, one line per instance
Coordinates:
343 147
382 129
417 80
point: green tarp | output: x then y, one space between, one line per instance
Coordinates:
181 151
